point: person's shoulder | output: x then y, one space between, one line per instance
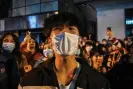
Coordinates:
31 78
87 69
35 76
93 76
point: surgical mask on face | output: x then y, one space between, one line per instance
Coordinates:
8 46
65 44
88 49
48 53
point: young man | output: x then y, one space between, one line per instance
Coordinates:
64 71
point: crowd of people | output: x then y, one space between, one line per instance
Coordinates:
21 63
101 56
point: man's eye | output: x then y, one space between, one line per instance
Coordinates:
71 28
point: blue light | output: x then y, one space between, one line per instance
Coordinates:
128 22
32 21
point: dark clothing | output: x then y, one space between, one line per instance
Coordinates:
31 60
4 84
3 73
45 76
11 79
121 76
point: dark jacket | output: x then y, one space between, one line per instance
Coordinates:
3 73
45 76
121 76
11 80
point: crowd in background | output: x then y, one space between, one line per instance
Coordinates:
102 56
19 58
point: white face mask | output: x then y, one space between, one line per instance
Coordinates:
65 43
88 49
48 53
8 46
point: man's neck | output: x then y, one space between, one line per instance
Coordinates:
65 68
65 64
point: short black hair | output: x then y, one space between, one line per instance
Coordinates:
89 43
109 28
60 19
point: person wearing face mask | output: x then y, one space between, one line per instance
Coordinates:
9 61
87 52
64 71
47 51
104 42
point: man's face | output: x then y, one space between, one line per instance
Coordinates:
61 29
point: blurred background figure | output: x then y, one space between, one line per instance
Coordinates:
48 51
30 54
109 34
104 42
87 52
9 61
131 34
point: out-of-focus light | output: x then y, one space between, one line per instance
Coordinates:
56 12
128 22
32 21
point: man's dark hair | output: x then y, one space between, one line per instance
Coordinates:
64 18
109 28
